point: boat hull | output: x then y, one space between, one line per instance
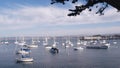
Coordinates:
97 47
25 60
33 46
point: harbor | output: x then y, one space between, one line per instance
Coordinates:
65 57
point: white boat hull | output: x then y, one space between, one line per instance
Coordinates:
48 47
22 52
78 48
24 59
33 46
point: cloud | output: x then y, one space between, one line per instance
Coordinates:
28 17
53 15
83 31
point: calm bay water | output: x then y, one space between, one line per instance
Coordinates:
66 58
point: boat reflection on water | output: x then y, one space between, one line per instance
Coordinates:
24 62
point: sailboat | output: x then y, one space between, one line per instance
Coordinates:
68 43
114 42
78 42
78 47
22 43
45 43
33 45
38 40
25 58
6 41
23 50
54 49
23 47
16 41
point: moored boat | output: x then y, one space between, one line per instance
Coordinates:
25 58
97 47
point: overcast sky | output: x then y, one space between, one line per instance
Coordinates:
39 17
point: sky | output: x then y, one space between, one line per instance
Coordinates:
40 18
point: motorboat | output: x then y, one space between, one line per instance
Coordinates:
54 50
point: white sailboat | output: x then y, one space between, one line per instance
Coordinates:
78 41
16 41
38 40
45 42
23 51
33 45
106 43
114 42
22 43
68 43
25 58
6 41
54 49
78 46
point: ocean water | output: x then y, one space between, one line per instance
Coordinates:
66 58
